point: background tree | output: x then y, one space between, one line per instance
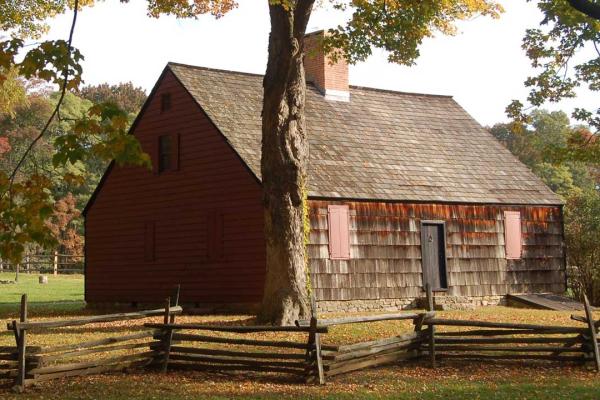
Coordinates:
26 183
582 231
565 53
66 226
12 93
587 7
541 145
127 97
71 184
396 26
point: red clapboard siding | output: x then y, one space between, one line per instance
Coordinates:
199 225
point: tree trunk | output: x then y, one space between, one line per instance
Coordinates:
283 166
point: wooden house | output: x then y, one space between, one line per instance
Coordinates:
404 189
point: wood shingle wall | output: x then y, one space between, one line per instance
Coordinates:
385 251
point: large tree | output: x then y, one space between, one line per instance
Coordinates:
565 54
397 26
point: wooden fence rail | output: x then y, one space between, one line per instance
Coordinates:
309 358
28 365
514 341
45 263
8 364
295 350
206 352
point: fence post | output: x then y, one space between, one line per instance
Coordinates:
313 351
168 335
176 303
418 323
431 327
55 263
593 336
20 335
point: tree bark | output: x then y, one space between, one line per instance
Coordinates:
587 7
283 166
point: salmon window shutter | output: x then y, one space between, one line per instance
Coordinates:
339 232
512 235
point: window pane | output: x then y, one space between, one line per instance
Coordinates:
165 146
165 102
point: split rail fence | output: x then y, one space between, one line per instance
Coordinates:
339 359
503 341
306 357
29 364
294 350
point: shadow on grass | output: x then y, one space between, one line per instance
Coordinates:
10 310
178 385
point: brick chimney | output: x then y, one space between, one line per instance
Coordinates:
330 80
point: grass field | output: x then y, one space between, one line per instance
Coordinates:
63 296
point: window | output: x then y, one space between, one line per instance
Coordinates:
339 232
512 235
167 153
149 236
165 102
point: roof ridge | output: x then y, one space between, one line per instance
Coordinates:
232 72
391 91
213 69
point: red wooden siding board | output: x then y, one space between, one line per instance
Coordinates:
176 139
149 241
208 176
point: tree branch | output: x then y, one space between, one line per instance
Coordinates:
301 16
56 110
588 7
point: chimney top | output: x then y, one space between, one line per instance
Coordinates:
330 79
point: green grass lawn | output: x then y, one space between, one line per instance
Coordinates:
63 296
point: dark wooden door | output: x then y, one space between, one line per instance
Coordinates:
433 255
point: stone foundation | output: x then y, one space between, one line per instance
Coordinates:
441 302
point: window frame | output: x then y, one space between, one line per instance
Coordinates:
174 139
162 154
165 102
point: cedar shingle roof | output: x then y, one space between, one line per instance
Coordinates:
381 145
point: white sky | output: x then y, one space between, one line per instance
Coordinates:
483 67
